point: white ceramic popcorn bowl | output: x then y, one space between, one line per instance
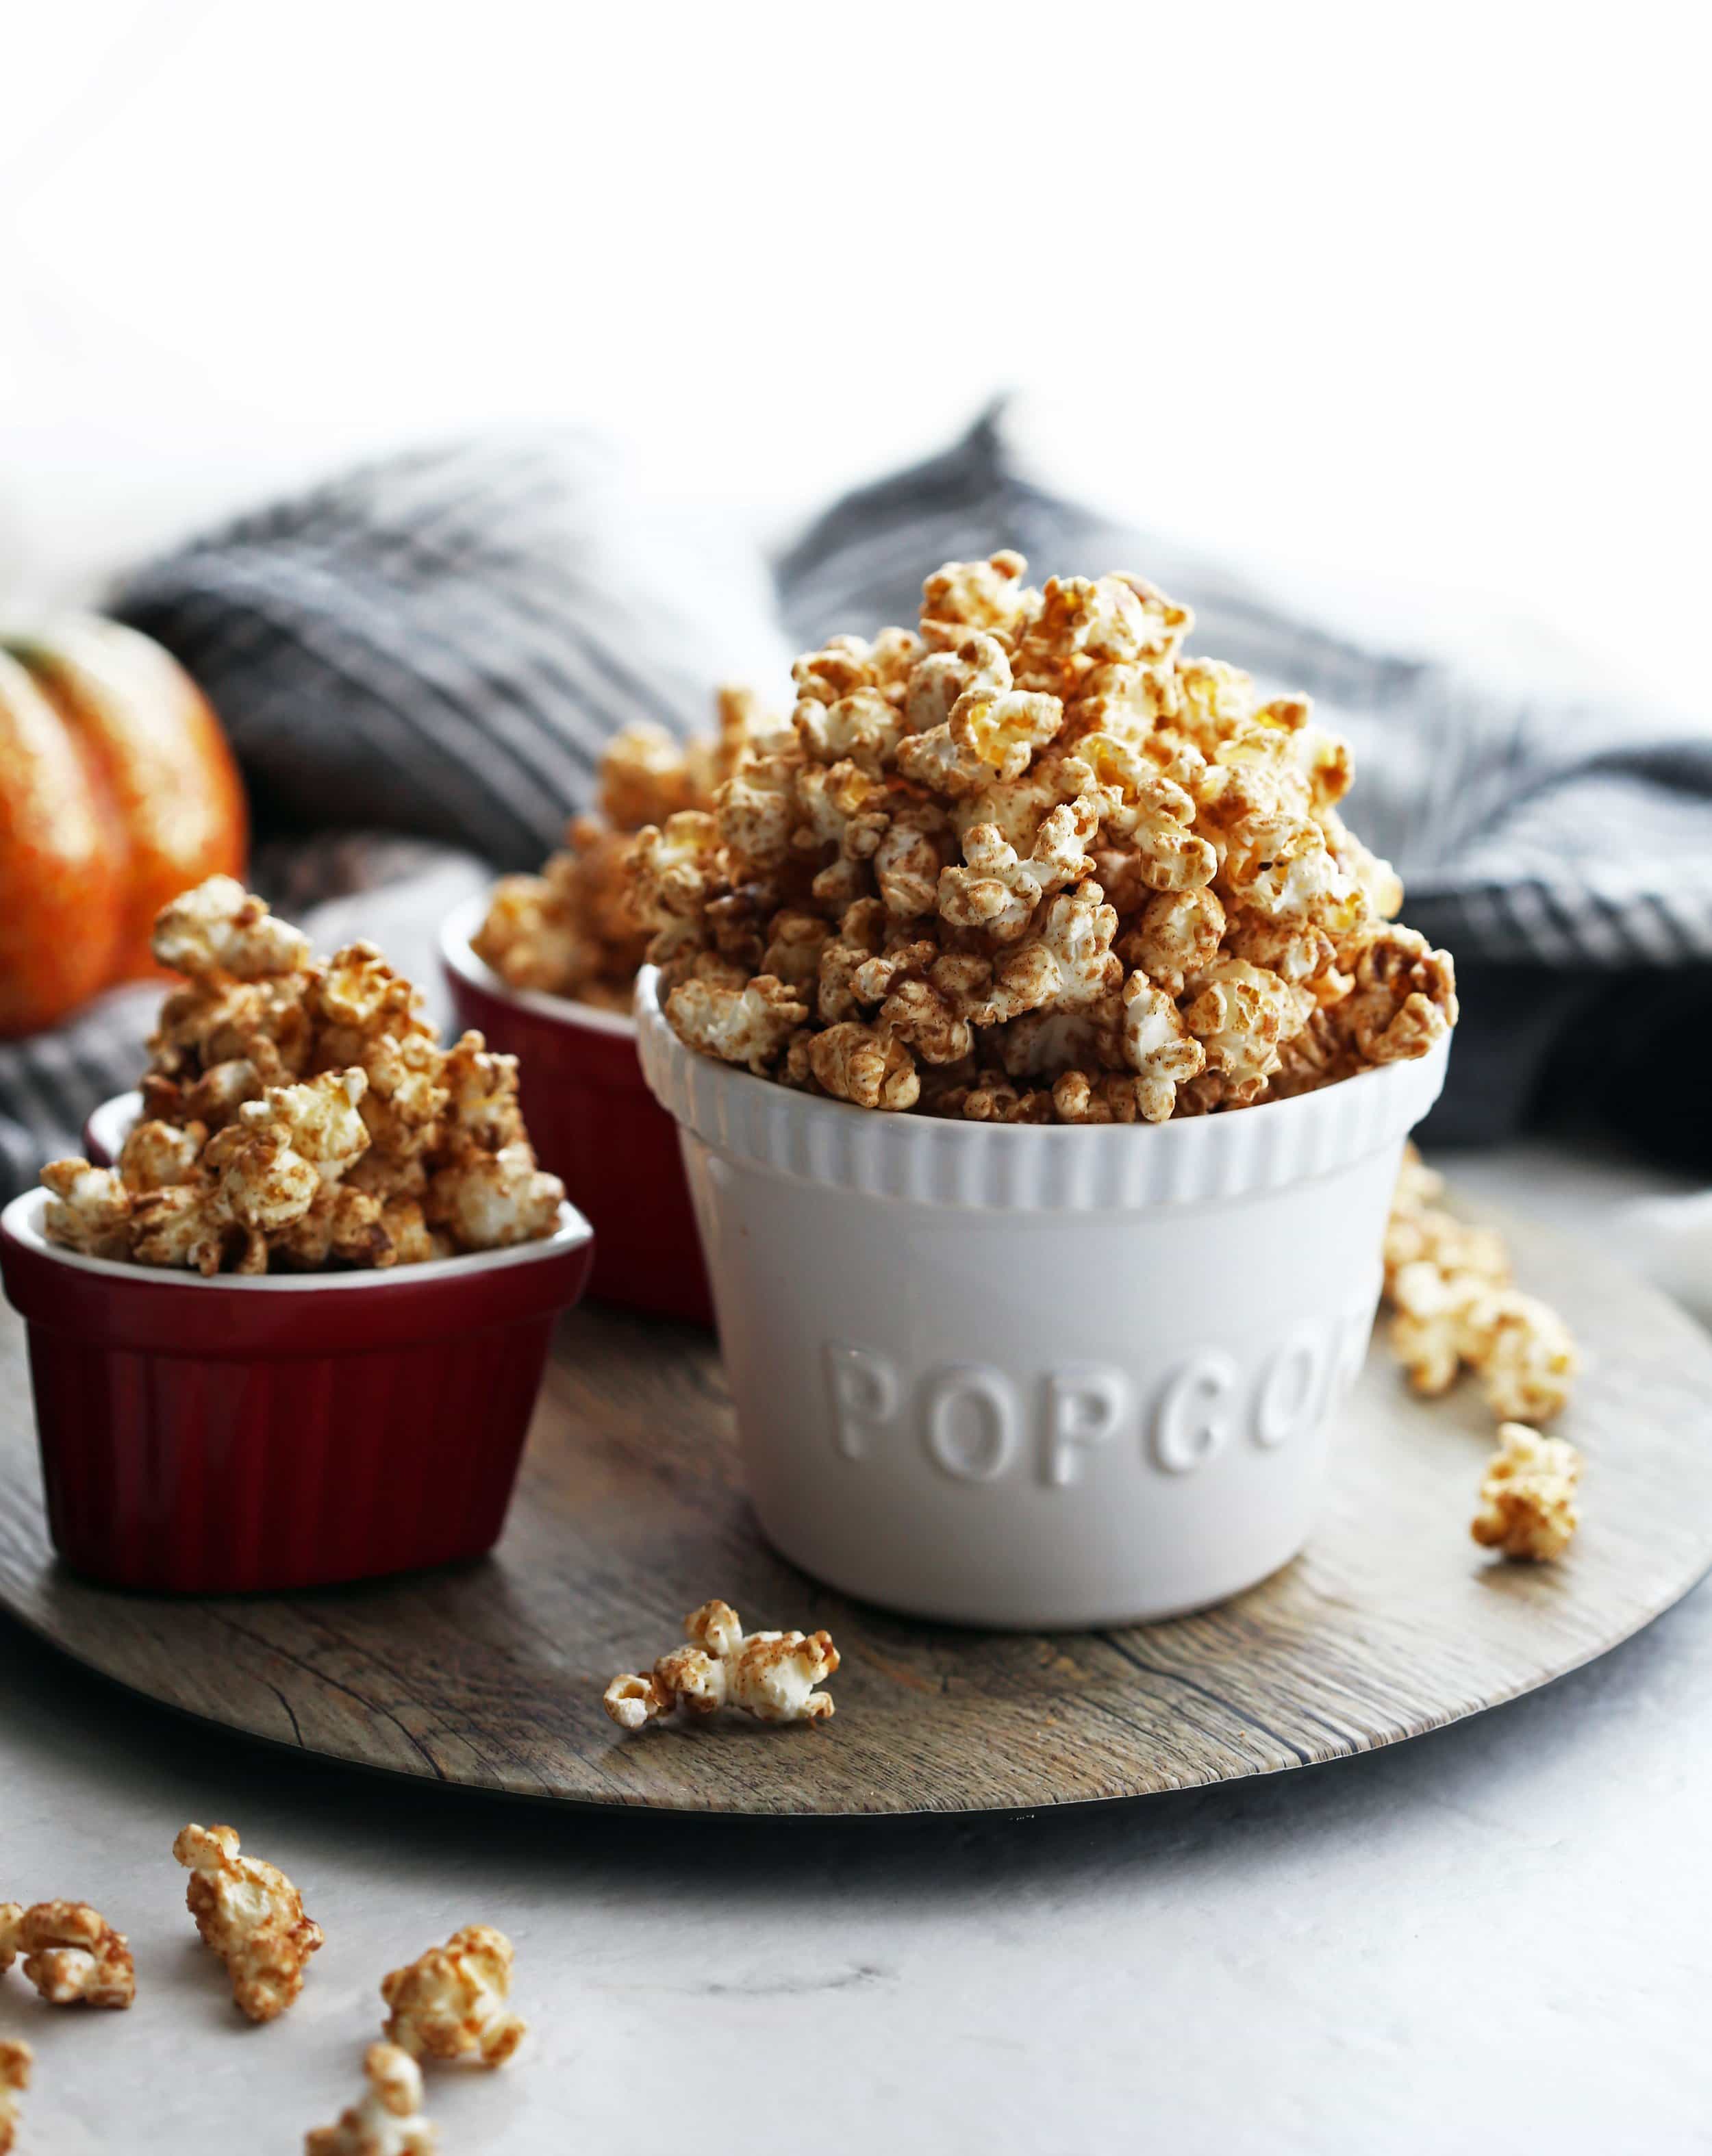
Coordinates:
1029 1376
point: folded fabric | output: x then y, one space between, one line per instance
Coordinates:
437 646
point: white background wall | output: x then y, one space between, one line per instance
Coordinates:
1413 293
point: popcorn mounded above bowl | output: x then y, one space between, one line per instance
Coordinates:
1032 863
298 1115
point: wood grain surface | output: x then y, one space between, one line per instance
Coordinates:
630 1511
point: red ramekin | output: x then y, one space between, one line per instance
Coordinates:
595 1125
295 1429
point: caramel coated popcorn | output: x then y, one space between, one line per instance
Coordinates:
249 1914
1032 863
300 1114
1528 1498
1455 1307
572 930
770 1674
16 2060
451 2002
71 1953
388 2121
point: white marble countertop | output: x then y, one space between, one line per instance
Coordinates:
1503 1931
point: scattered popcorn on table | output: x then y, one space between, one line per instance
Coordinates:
1032 864
572 930
450 2003
1449 1285
71 1954
16 2060
1528 1499
388 2121
249 1914
301 1115
770 1674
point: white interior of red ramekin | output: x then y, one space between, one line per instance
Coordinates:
457 929
23 1219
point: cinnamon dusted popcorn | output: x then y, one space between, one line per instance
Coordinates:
571 931
71 1953
451 2002
388 2121
1528 1498
301 1114
16 2060
1032 863
249 1914
1454 1307
770 1674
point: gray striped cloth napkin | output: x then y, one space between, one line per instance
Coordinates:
417 664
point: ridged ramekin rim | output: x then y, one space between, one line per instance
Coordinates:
1197 1159
21 1223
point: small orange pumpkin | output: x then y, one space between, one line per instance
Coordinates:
117 791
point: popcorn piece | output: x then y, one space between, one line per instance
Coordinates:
16 2060
220 927
451 2002
770 1674
1524 1354
992 733
480 1089
674 869
748 1025
388 2121
1149 814
644 778
251 1915
156 1155
487 1201
1068 964
1404 1000
870 1069
997 892
909 858
863 729
1429 1334
1450 1286
71 1954
1528 1498
964 595
356 1000
88 1210
1158 1047
1241 1014
796 940
1178 934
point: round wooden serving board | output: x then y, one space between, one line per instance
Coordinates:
630 1511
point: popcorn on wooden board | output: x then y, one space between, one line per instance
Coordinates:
16 2060
70 1953
770 1674
300 1115
1528 1498
1032 803
249 1913
451 2002
387 2122
1455 1307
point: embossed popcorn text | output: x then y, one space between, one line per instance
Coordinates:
976 1422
